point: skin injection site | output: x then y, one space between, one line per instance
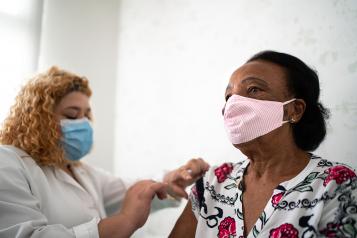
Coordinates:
178 119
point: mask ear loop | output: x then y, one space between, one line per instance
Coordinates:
287 102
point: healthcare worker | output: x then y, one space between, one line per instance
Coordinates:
45 188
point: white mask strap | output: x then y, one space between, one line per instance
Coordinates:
287 102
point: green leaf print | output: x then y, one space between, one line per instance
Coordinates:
240 214
263 219
230 186
323 176
255 232
304 185
350 229
311 177
303 189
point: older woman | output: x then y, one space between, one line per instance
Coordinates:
273 116
46 191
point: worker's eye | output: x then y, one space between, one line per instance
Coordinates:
71 117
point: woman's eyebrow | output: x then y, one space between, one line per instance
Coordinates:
73 108
249 80
256 80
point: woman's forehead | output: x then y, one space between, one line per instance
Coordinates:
75 98
270 73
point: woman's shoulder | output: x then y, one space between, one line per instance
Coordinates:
11 156
322 176
226 170
324 165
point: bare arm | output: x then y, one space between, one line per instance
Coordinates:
135 210
185 225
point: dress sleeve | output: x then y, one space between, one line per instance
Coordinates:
20 213
339 216
195 199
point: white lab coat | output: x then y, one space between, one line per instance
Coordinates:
46 202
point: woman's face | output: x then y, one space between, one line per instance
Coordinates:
74 105
263 80
259 80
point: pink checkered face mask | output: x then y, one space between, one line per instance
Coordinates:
246 118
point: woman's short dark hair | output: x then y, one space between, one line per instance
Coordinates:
303 83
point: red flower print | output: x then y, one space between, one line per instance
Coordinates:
276 199
284 231
332 230
222 172
227 228
338 173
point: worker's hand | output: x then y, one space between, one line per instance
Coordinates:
137 201
184 176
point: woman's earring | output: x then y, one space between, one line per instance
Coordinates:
292 120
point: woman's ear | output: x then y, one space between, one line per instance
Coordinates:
298 109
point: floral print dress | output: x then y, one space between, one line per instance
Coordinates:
321 201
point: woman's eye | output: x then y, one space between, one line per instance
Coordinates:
70 117
253 89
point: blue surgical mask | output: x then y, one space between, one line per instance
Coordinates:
77 138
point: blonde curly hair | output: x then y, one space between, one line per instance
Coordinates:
31 124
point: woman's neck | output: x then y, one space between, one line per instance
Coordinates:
275 162
67 168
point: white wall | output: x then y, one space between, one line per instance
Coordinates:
81 36
175 59
20 27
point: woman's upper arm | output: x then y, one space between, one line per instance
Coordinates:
186 224
339 217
